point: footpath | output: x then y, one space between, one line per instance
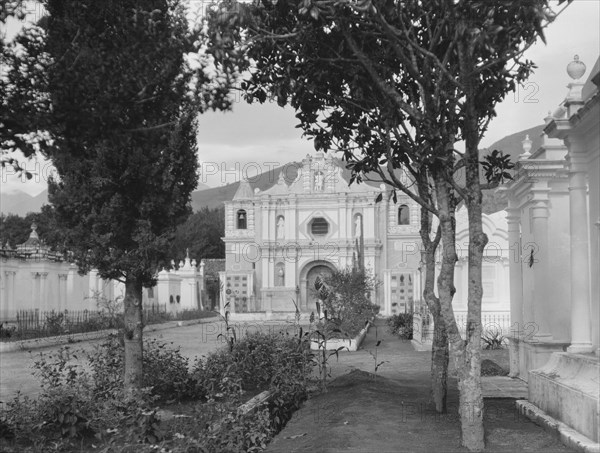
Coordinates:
391 411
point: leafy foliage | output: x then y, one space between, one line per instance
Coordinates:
345 295
15 229
115 87
402 325
201 233
496 166
84 405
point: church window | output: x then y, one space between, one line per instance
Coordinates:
319 227
403 215
241 219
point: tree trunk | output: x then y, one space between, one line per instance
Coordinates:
439 360
132 336
470 376
466 354
439 349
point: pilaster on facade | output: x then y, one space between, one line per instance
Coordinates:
515 261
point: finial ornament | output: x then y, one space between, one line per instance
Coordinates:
526 147
576 69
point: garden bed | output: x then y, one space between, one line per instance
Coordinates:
235 399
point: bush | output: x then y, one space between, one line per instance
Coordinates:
165 369
346 304
80 405
68 411
258 361
7 332
401 325
493 340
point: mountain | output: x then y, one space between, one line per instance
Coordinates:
214 197
20 203
511 144
202 187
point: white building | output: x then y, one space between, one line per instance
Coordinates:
33 277
553 216
279 240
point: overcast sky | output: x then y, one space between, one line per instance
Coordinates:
253 137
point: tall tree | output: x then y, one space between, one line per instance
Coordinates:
25 110
201 233
15 229
394 85
120 100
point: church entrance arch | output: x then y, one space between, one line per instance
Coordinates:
308 276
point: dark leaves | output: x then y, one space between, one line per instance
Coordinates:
495 166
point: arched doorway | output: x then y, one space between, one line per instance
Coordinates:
308 277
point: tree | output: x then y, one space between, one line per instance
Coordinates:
394 85
123 95
15 229
25 110
201 233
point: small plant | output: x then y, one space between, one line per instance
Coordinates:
231 336
376 363
56 323
493 339
320 336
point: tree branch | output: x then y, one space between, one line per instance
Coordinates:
382 84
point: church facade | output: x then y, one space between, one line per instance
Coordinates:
279 240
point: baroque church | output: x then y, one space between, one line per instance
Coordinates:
279 240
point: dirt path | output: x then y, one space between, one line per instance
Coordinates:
391 411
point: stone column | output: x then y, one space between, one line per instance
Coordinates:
9 294
62 291
581 333
44 291
516 285
539 219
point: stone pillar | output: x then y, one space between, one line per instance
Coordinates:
516 285
62 292
9 294
162 287
581 333
539 219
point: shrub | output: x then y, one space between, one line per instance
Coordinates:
493 339
7 332
258 361
401 325
68 409
345 296
81 405
165 369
